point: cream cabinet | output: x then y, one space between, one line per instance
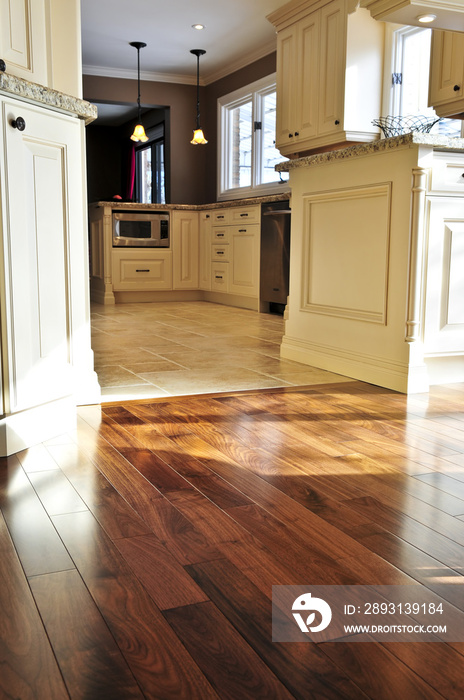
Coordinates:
40 41
235 246
449 14
47 361
446 86
185 249
324 55
141 270
205 220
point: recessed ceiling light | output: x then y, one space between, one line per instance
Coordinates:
198 26
426 19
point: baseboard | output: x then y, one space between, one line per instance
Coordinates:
372 369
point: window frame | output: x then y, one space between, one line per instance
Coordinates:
254 92
156 137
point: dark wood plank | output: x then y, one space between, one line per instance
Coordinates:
28 666
89 659
155 656
161 574
303 668
231 666
37 543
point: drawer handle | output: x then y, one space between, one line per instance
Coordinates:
243 214
457 88
219 235
218 277
2 65
220 216
242 230
219 252
142 270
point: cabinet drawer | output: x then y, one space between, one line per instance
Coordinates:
240 215
221 216
220 235
220 252
220 277
447 173
244 229
142 272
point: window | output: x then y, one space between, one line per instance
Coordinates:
149 168
247 154
410 78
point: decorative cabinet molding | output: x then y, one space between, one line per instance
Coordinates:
449 14
446 87
325 54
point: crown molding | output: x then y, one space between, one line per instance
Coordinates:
130 74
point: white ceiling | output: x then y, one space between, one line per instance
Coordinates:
236 33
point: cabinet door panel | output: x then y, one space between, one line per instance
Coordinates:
286 76
37 256
444 309
185 249
308 77
332 67
244 273
22 39
446 69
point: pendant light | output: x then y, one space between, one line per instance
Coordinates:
198 136
139 132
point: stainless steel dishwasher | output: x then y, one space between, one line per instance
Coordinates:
275 255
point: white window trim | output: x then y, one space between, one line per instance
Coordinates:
235 99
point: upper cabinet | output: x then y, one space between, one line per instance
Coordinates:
446 87
40 42
447 14
324 54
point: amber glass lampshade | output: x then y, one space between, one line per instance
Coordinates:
198 137
139 134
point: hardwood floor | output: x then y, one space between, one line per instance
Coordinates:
137 554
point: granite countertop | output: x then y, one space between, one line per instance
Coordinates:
442 143
114 204
39 94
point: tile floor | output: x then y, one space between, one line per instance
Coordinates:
151 350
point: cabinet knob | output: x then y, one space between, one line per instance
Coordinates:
2 65
456 88
290 136
337 122
207 216
297 133
18 124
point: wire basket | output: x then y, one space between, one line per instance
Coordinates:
397 126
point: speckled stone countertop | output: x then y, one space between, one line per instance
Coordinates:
441 143
33 92
114 204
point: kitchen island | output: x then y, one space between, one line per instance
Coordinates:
376 281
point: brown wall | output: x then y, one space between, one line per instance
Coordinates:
193 169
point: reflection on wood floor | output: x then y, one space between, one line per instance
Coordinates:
137 554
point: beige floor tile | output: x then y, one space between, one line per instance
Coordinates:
148 350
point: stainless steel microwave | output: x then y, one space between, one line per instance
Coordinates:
141 229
